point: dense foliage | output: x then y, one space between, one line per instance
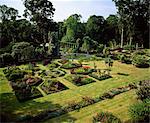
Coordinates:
140 111
128 29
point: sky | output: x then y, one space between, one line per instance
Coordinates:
65 8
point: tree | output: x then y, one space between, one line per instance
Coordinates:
8 16
111 30
23 51
73 26
95 27
8 13
40 12
53 43
134 19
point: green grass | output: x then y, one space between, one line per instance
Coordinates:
118 106
11 106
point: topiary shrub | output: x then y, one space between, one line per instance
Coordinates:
143 91
140 111
105 117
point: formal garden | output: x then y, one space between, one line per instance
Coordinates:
96 71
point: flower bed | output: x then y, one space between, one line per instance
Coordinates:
70 65
52 73
102 77
22 84
24 91
52 86
82 70
58 73
79 80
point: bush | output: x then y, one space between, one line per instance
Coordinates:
14 76
13 73
23 51
140 111
125 59
143 91
100 48
106 117
140 61
6 58
129 47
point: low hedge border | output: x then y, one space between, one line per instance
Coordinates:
86 101
100 78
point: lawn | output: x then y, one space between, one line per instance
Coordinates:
118 105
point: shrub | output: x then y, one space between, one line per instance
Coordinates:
106 117
100 48
140 111
141 61
23 51
103 77
143 91
106 51
125 59
15 76
129 47
13 73
6 58
30 66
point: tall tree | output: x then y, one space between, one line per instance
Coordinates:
8 17
111 30
134 16
40 12
8 13
95 27
72 25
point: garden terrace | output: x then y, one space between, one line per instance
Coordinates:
118 104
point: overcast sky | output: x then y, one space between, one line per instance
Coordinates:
64 8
